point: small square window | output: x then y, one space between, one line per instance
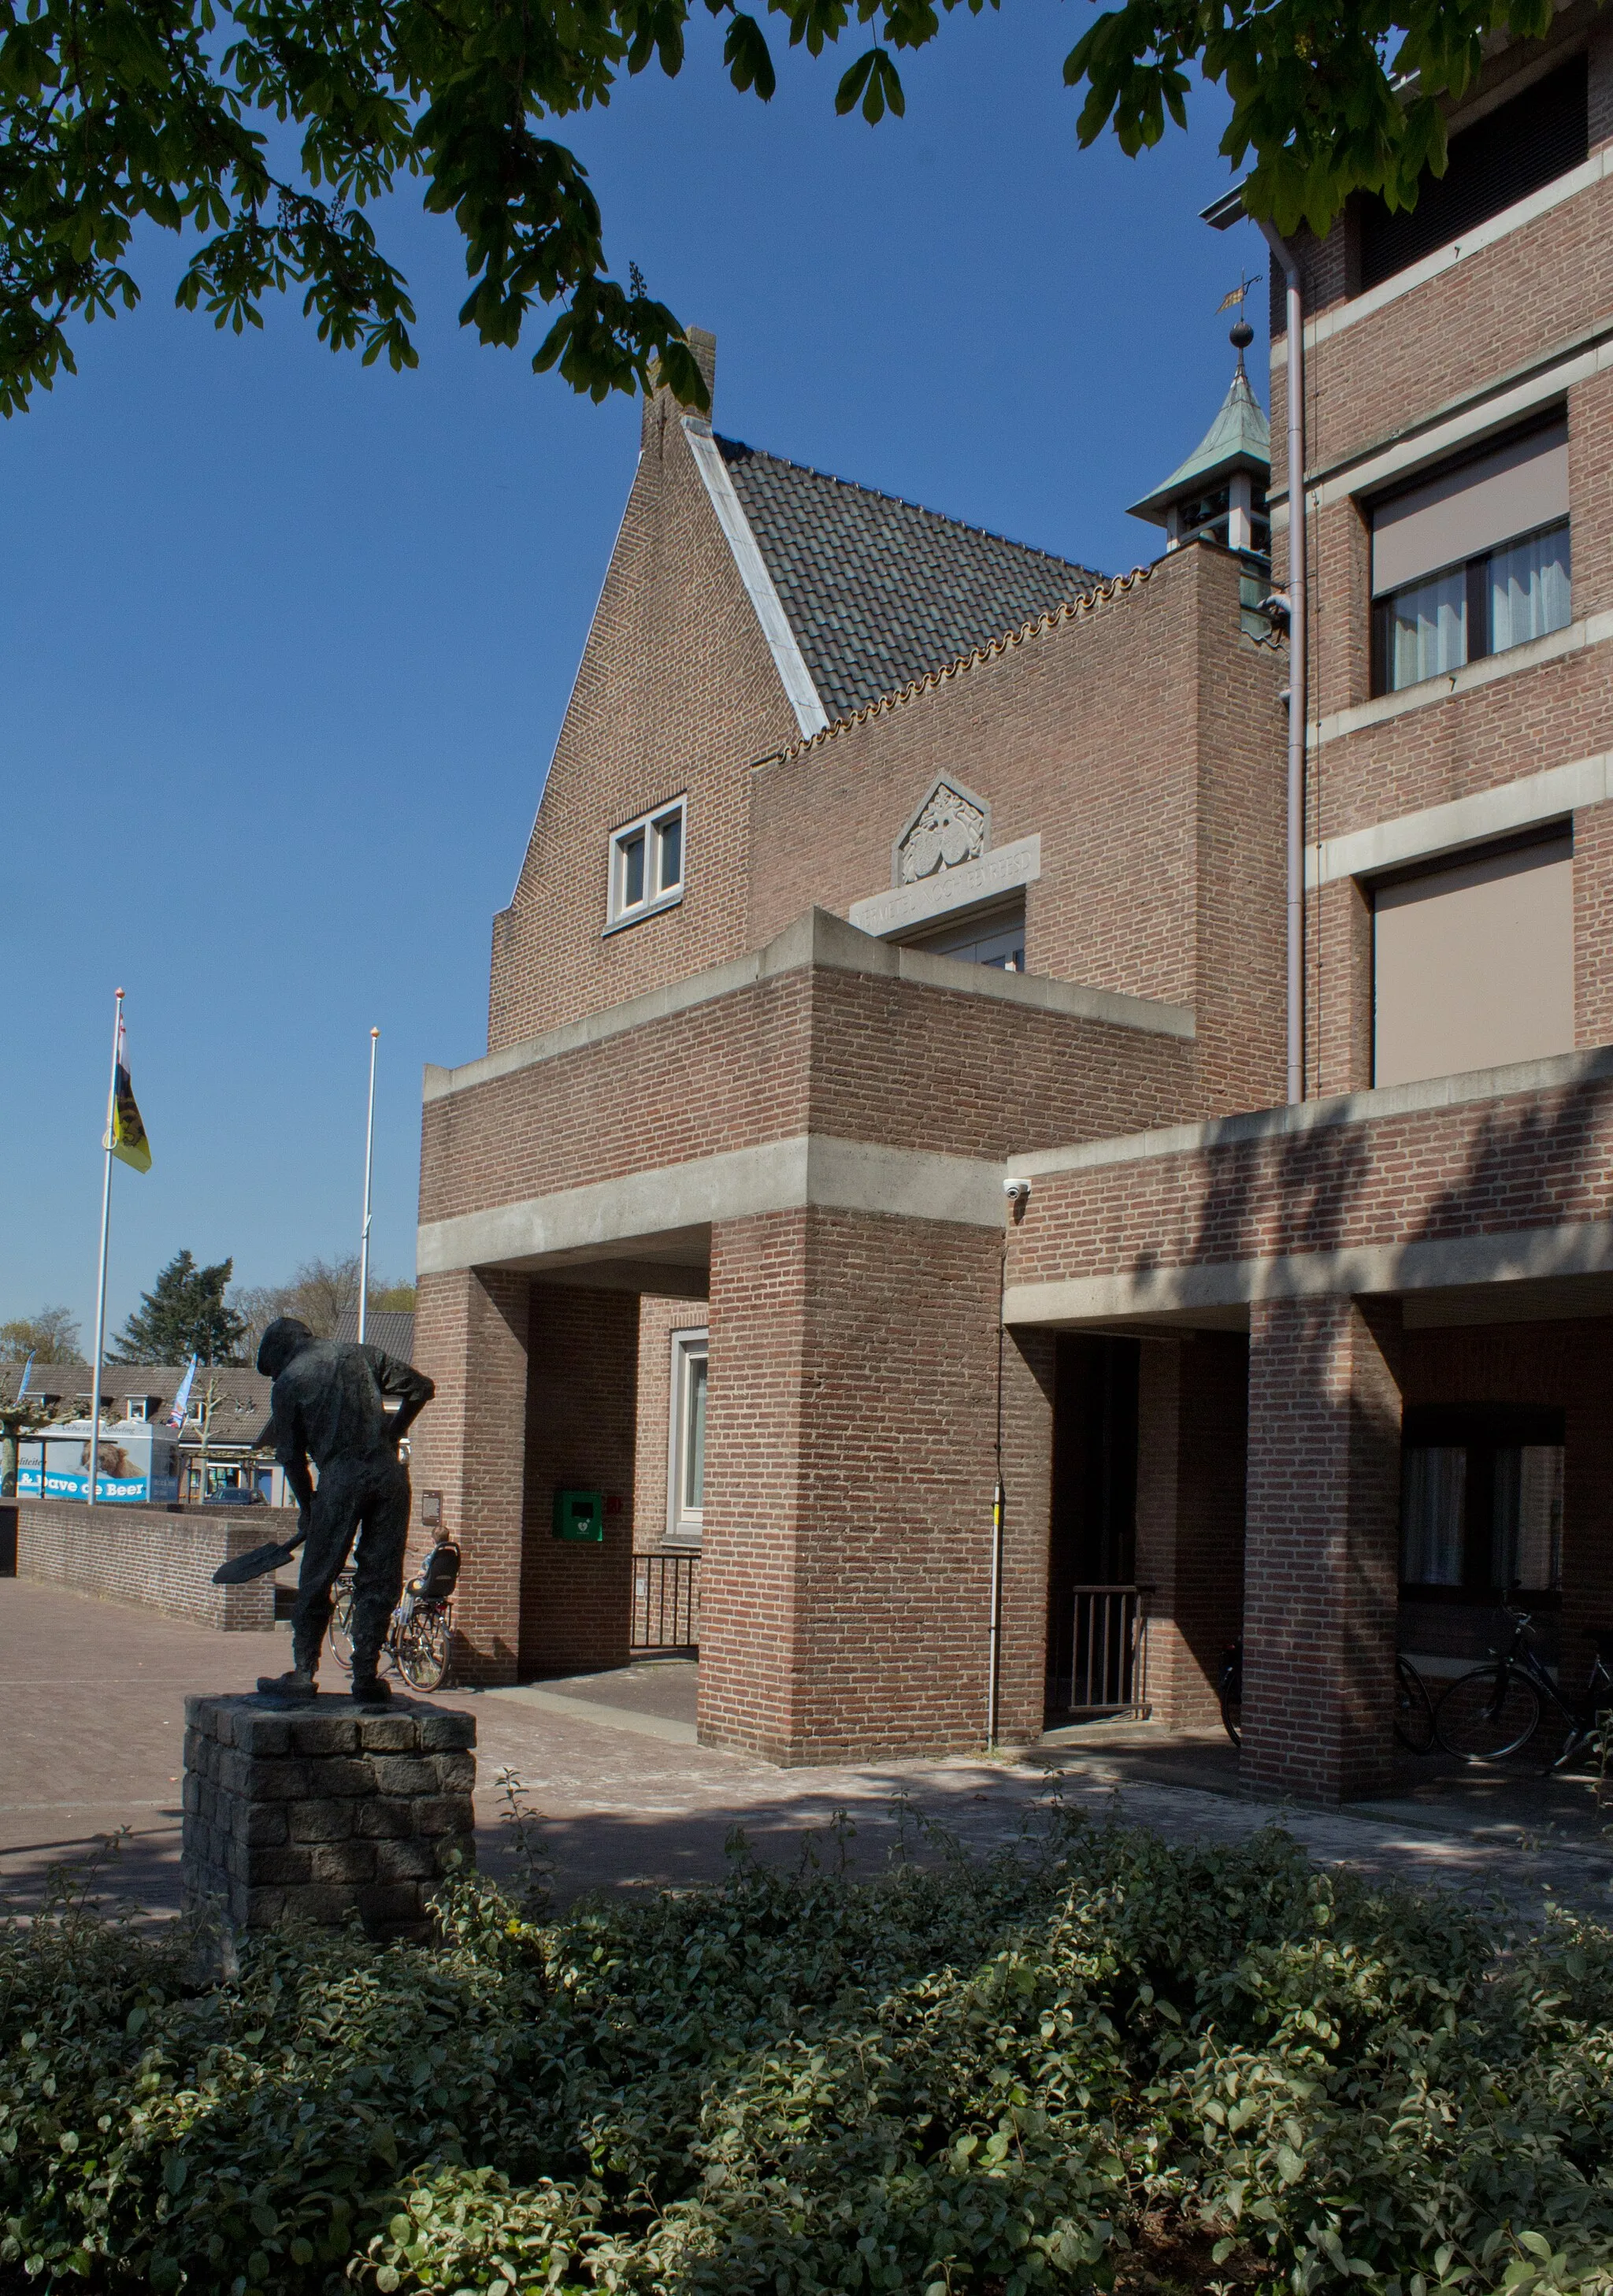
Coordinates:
647 865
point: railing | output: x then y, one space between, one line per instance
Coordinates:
1105 1661
666 1601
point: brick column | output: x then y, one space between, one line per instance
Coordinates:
582 1412
1030 1379
1322 1526
850 1461
470 1444
1192 1416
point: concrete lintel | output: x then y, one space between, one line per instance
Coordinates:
779 1175
950 892
817 938
1575 1248
1560 1073
1471 820
1558 645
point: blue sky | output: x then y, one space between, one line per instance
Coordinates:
286 642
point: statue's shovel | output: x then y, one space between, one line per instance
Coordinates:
256 1562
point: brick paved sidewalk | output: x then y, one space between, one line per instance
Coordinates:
93 1701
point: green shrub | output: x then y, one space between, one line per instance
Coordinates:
998 2076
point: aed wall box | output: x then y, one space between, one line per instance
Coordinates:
580 1515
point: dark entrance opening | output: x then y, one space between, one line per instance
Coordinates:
1093 1539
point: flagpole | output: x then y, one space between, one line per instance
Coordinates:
106 1223
363 1248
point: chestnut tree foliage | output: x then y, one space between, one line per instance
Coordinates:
264 133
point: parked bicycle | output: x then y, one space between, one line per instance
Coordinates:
1496 1708
1413 1708
419 1639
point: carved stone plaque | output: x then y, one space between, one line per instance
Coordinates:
950 827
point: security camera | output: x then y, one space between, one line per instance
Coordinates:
1016 1191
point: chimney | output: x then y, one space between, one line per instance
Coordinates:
660 405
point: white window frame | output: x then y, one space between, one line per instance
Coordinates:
650 827
685 1525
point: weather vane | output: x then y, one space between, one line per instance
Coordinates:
1241 333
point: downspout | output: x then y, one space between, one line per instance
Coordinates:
1296 663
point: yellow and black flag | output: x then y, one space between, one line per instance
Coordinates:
126 1128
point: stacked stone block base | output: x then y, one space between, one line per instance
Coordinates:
319 1813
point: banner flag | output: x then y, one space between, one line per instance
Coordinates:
28 1367
126 1131
176 1415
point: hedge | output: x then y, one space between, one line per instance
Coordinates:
1094 2061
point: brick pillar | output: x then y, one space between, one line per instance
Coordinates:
1191 1417
470 1444
577 1599
850 1461
1322 1562
1030 1379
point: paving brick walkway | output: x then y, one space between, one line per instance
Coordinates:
94 1704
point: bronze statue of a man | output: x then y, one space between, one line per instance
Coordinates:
326 1405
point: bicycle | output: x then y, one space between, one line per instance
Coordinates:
1495 1709
1413 1708
418 1642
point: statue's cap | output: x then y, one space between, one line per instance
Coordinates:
286 1336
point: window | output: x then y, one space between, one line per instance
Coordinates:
994 937
1471 561
686 1465
647 864
1481 1502
1502 158
1473 962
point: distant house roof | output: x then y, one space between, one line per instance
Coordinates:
241 1394
1240 439
879 592
390 1329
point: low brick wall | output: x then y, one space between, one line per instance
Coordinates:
145 1555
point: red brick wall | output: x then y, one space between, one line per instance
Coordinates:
848 1511
1141 738
1322 1547
1534 1159
677 692
750 1593
1192 1419
144 1555
470 1334
582 1393
858 1056
1535 287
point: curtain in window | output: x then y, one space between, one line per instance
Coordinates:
1527 1537
1433 1506
1428 629
1529 588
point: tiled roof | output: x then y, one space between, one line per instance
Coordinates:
390 1329
242 1394
1039 625
880 592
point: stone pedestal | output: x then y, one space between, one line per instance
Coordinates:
316 1812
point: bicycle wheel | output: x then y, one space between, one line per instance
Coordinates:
340 1636
422 1649
1487 1714
1413 1709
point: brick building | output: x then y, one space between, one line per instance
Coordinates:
883 864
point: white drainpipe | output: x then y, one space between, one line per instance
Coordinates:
1296 664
